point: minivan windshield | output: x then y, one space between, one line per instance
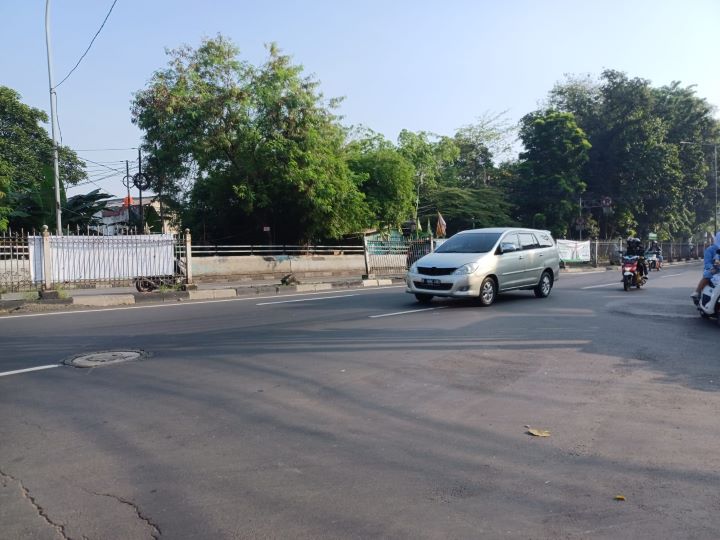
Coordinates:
480 242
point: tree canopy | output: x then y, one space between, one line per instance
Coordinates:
27 185
639 158
262 145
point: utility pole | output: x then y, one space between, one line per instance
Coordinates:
579 223
142 217
715 213
56 159
127 179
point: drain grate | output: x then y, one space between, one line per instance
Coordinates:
104 358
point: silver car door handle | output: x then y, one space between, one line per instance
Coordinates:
520 257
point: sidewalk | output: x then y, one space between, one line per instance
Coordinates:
122 296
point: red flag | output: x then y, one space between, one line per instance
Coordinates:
441 227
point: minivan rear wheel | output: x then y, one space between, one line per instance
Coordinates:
488 291
544 286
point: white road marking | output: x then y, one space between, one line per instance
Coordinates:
563 275
304 300
189 303
671 275
603 285
38 368
405 312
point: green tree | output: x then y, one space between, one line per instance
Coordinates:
480 145
429 155
386 179
261 145
80 209
465 208
550 182
27 192
637 159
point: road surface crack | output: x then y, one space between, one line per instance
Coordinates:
39 509
156 532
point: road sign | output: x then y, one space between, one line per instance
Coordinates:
141 181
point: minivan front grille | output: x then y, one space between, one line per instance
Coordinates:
433 286
433 271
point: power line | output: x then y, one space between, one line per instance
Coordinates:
105 149
95 181
89 46
102 165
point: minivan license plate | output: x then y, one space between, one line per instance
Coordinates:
432 281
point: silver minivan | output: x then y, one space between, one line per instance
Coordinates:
483 262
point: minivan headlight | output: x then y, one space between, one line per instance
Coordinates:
466 269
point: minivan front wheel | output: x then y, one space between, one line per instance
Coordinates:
488 291
544 286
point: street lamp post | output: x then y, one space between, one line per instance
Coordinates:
715 163
56 166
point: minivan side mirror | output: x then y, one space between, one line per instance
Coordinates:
507 247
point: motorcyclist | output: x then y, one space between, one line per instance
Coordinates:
656 250
708 268
635 248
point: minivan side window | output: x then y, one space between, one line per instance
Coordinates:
545 239
528 241
511 238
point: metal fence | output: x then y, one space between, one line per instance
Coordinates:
46 261
391 258
15 272
212 250
609 253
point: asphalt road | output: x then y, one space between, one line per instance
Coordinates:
362 414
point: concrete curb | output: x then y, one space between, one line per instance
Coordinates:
376 282
104 300
212 294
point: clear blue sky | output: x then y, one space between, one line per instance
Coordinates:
413 64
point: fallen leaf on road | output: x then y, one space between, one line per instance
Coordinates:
619 497
538 432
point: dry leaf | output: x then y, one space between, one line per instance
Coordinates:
538 432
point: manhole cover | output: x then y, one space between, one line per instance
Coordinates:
104 358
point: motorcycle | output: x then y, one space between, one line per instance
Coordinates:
653 261
632 275
151 283
709 302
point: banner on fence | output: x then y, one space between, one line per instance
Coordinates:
572 251
103 258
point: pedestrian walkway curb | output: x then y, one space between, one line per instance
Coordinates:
211 294
104 300
28 301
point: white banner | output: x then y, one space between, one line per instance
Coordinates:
103 258
571 251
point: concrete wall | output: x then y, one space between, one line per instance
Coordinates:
264 267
